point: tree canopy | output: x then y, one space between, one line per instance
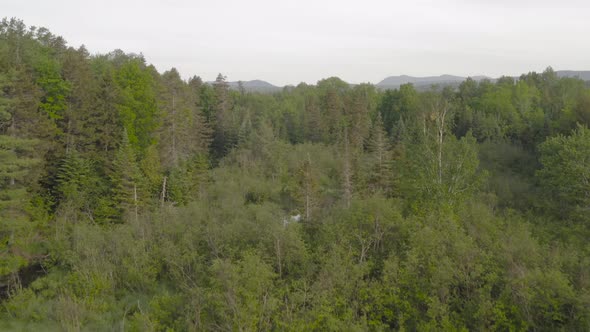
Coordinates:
137 200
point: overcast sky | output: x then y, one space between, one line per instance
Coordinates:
287 42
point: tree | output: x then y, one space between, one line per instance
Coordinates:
184 131
332 114
17 232
26 121
380 167
357 112
565 175
347 171
80 187
137 105
77 71
225 134
17 161
189 180
313 123
442 168
104 124
126 180
241 293
437 109
307 188
399 104
55 89
201 131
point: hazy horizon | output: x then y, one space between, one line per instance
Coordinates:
292 42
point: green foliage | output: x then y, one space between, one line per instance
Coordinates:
134 200
54 87
189 180
125 179
81 188
566 173
137 102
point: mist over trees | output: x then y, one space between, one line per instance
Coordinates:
135 200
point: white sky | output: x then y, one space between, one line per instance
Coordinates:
287 42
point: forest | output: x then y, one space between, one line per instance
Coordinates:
134 200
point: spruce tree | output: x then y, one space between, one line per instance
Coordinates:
225 132
379 148
126 180
307 187
16 162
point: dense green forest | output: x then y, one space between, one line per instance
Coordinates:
134 200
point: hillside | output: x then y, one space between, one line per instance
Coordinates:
393 82
581 74
253 86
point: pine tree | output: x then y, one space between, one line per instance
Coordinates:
16 162
80 188
172 130
313 123
188 182
103 123
126 179
78 72
225 135
184 131
200 128
307 188
26 121
357 112
17 233
152 175
378 146
332 115
347 171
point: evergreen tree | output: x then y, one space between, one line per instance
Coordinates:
26 121
184 131
347 169
17 231
307 188
17 161
380 162
358 116
225 135
314 130
332 115
81 189
104 124
77 71
125 180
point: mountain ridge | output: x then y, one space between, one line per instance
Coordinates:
255 85
394 82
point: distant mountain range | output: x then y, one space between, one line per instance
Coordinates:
581 74
253 86
394 82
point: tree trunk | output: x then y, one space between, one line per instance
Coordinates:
135 202
163 194
278 251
